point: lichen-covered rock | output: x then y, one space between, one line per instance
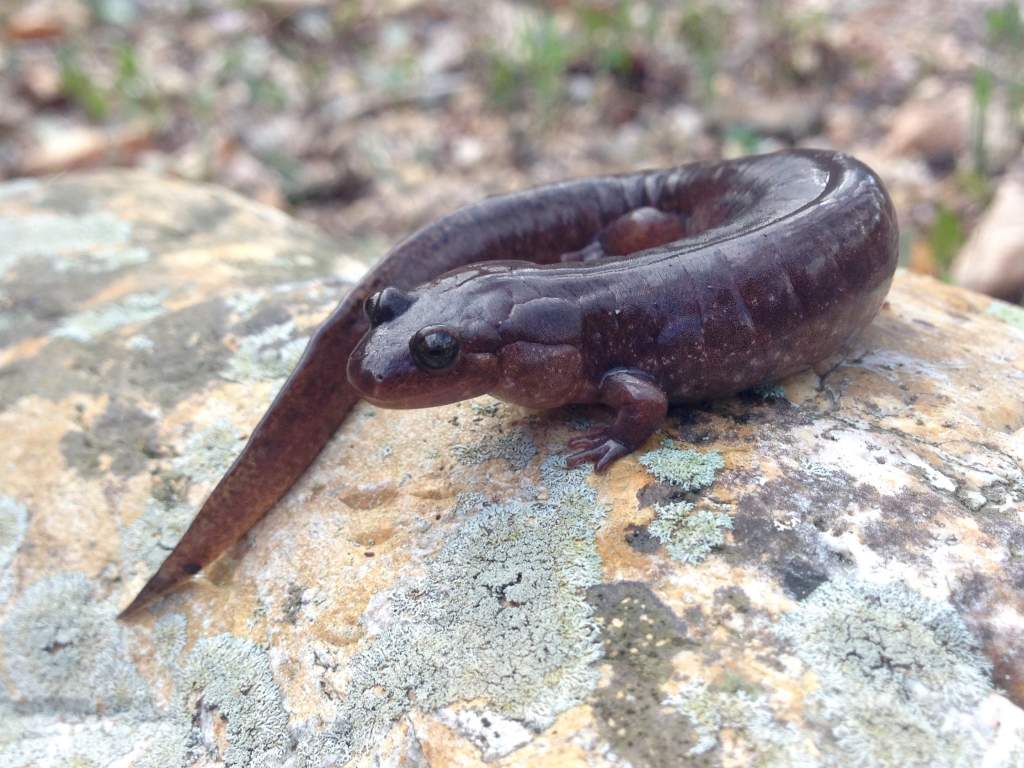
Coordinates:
829 570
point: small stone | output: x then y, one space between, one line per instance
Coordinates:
46 18
790 115
992 259
801 578
938 123
934 123
61 146
247 174
41 80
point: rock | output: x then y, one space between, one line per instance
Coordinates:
992 259
789 116
828 567
13 110
38 19
242 171
937 123
41 79
59 146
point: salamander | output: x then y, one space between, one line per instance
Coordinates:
633 291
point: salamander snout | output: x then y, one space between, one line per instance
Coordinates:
393 368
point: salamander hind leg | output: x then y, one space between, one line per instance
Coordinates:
631 233
640 407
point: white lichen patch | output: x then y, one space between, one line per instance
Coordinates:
88 325
934 477
209 452
19 188
203 459
837 452
54 236
900 677
13 521
102 260
152 535
125 739
499 617
169 638
234 708
1008 313
244 303
742 726
689 536
689 470
141 343
516 447
883 361
64 651
269 355
492 733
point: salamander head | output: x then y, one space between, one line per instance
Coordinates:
424 349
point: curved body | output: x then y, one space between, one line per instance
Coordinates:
634 291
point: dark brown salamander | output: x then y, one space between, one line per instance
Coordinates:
633 291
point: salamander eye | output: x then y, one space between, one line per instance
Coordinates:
434 349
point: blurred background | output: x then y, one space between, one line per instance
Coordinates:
372 117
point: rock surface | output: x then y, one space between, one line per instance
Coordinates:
826 571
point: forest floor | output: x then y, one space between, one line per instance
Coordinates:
372 118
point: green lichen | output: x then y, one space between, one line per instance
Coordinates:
1008 313
689 470
63 650
269 355
499 616
229 678
13 522
516 447
899 674
90 324
758 739
687 535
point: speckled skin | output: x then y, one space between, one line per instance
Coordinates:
759 268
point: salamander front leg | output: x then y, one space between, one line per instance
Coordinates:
640 408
